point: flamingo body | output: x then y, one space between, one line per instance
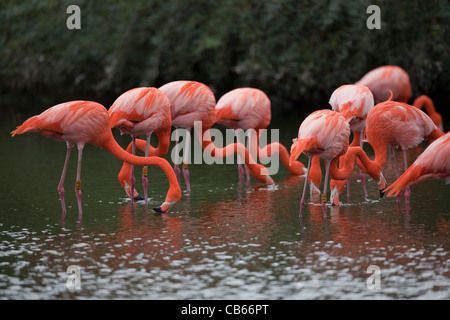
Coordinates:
141 111
245 108
354 102
191 101
384 78
76 122
324 133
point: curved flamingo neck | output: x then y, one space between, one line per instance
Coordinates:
347 163
296 168
160 151
257 170
356 139
424 101
174 190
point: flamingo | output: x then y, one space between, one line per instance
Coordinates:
142 111
398 124
325 134
425 101
354 102
384 78
250 108
193 101
432 163
81 122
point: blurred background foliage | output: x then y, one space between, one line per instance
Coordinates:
298 50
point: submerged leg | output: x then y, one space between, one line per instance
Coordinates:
176 168
252 152
240 163
78 180
132 179
63 177
186 160
361 173
397 170
407 189
145 171
324 194
302 201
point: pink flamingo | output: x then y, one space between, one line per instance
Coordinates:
193 101
325 133
432 163
384 78
425 101
81 122
250 108
142 111
354 102
398 124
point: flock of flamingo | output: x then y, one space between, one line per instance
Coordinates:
373 110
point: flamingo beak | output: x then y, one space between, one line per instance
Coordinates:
164 207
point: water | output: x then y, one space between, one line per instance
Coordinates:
229 239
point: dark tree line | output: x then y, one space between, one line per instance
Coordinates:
297 49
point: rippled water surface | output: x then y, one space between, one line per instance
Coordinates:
229 239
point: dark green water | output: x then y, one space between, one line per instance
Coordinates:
229 239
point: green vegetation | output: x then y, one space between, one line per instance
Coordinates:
296 49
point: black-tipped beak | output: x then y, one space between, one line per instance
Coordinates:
382 192
158 210
138 197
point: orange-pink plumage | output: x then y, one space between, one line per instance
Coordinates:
432 163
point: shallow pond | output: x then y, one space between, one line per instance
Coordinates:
228 239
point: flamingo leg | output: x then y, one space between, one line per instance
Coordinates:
397 170
407 189
145 171
186 161
302 201
63 177
132 179
361 173
78 180
239 160
176 168
348 189
324 194
247 170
